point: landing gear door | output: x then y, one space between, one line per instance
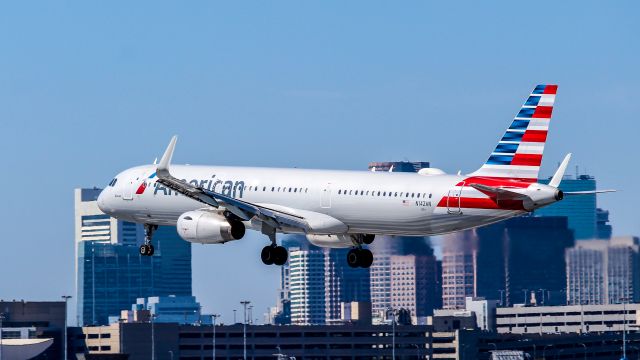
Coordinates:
325 197
453 200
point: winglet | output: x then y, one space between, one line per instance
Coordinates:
163 167
557 177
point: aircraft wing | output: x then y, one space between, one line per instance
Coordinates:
244 210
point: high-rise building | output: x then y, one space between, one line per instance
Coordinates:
580 210
507 261
415 284
459 252
603 228
316 281
306 286
603 271
111 274
384 249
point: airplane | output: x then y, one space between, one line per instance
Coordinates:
336 208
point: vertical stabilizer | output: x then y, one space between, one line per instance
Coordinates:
518 155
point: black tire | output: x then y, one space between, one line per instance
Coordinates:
281 255
150 250
368 238
267 255
143 250
353 258
365 258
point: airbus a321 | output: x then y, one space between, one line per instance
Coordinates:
340 209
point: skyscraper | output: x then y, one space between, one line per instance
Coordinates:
316 281
580 210
603 271
415 284
459 252
388 274
110 273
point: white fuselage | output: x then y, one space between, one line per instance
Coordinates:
380 203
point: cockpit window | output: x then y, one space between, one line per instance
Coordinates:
113 182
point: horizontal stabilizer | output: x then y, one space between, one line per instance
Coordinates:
592 192
500 193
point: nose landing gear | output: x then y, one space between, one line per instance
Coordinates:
147 249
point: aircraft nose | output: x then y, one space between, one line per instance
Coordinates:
103 202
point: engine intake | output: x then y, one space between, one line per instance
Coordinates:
208 228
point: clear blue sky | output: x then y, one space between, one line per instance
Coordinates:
88 88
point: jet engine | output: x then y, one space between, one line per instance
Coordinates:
208 228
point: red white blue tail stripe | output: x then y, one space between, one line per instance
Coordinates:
518 155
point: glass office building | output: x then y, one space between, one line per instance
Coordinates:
111 274
579 210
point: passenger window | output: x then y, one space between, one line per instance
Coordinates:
339 192
295 190
396 194
273 188
384 193
350 192
278 188
412 194
289 189
306 190
378 193
418 195
367 192
429 196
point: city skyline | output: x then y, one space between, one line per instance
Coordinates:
88 91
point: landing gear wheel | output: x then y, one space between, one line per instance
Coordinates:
368 238
267 255
280 255
365 258
143 250
353 258
150 250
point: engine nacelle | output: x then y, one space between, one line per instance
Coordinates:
208 228
331 241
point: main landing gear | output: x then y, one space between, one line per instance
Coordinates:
273 254
359 256
147 249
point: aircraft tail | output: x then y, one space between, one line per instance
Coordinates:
519 152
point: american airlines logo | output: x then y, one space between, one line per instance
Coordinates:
231 188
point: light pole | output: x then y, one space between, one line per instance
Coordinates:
393 331
213 320
244 329
624 328
66 301
1 319
153 339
